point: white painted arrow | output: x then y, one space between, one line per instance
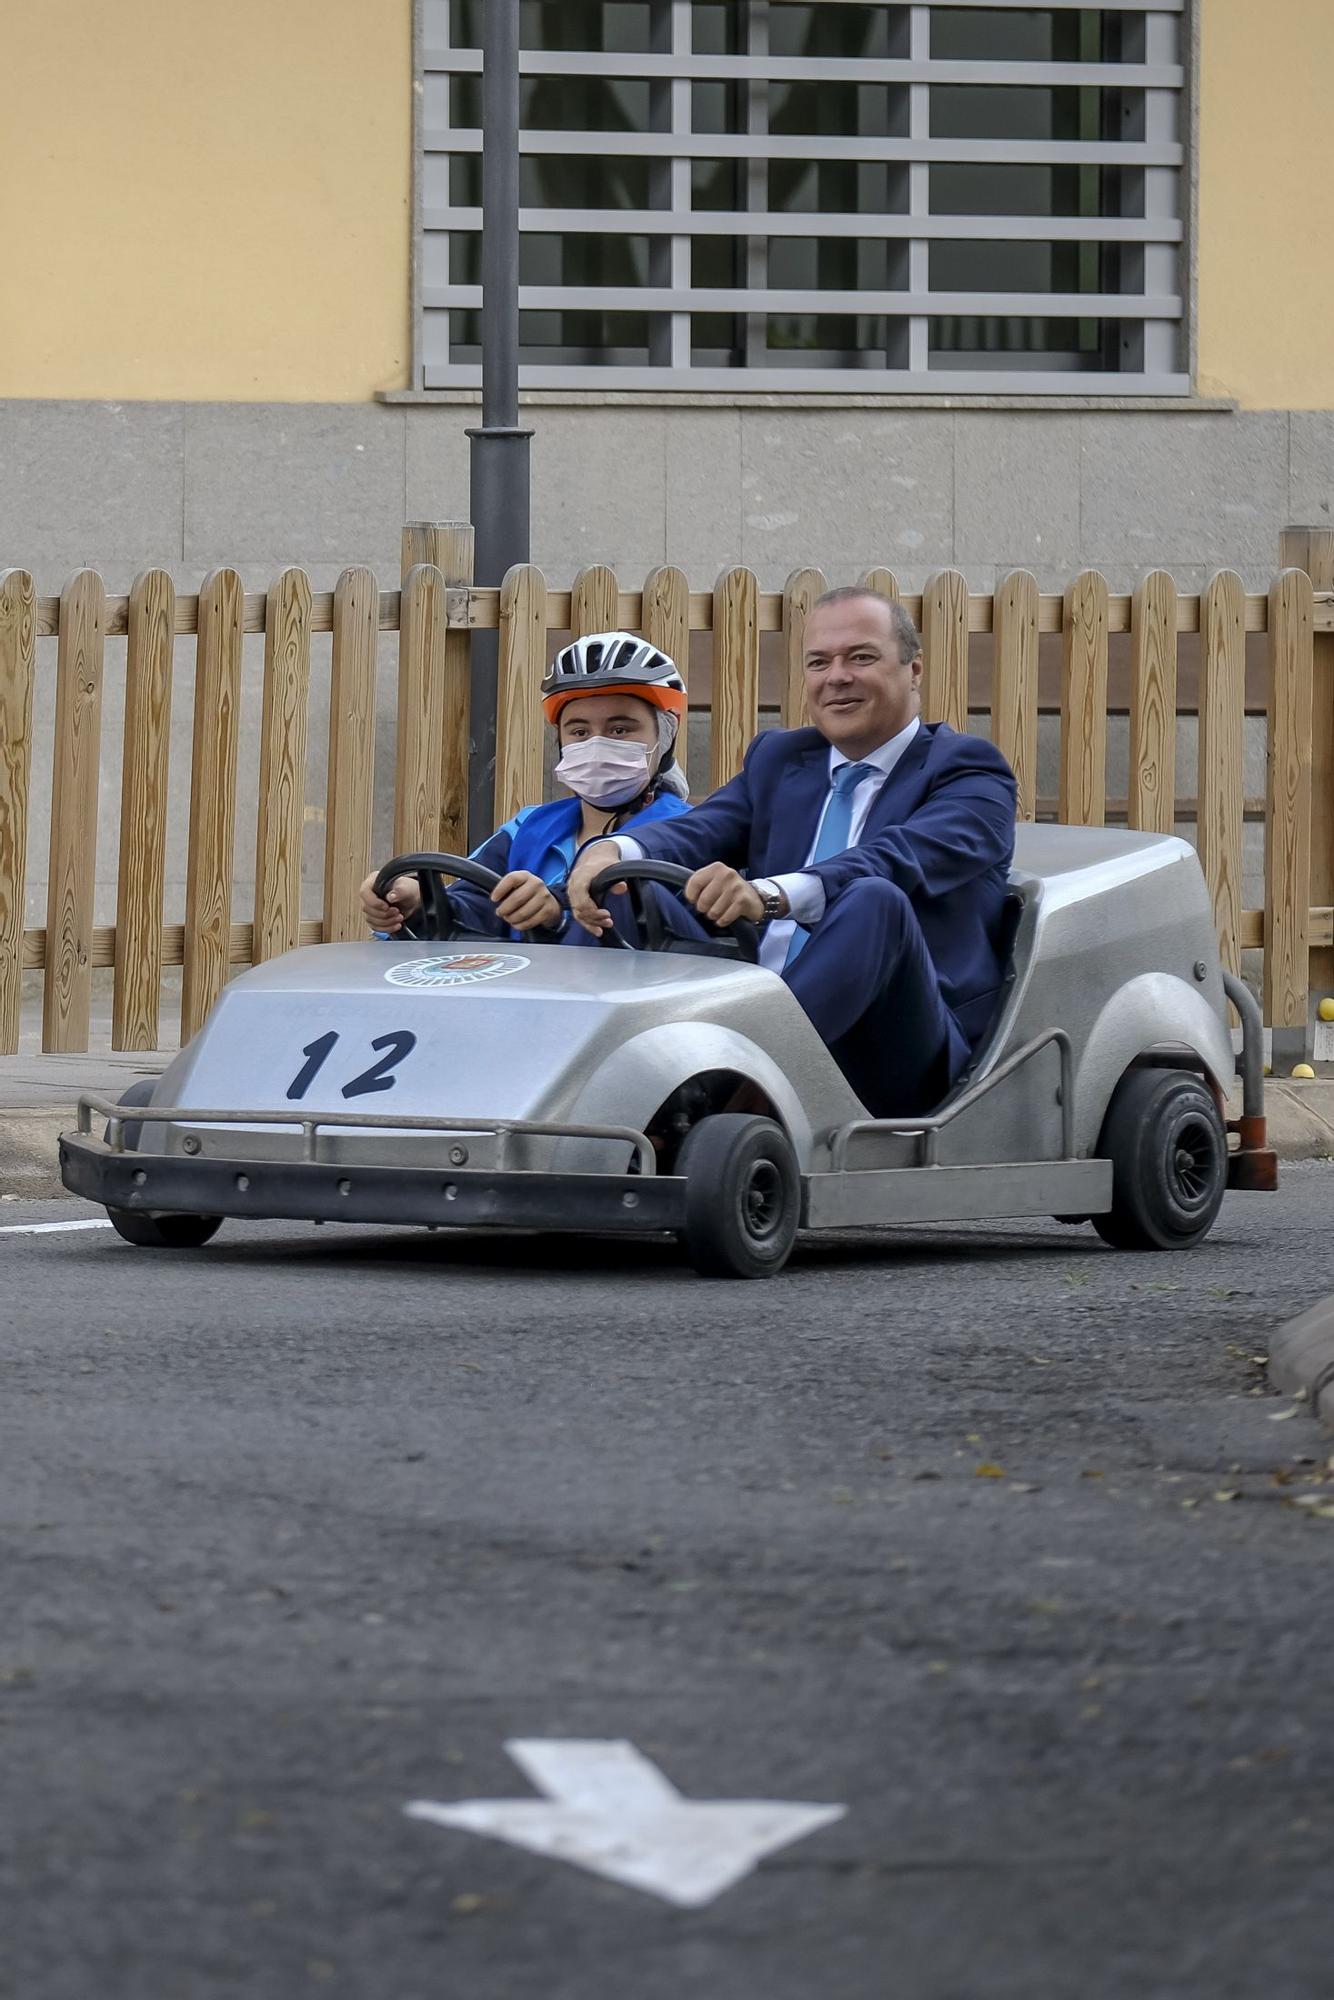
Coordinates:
608 1809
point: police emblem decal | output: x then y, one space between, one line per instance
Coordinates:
456 968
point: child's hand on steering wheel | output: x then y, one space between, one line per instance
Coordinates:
524 901
386 913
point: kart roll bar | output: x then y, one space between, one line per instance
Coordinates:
1254 1165
1251 1065
928 1130
118 1116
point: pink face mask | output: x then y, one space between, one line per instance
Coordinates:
604 772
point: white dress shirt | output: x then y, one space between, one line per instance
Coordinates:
805 893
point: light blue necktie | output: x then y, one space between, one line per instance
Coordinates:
835 828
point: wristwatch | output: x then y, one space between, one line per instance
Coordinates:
771 900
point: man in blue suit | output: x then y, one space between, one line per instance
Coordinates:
873 847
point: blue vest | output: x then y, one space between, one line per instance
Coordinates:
545 839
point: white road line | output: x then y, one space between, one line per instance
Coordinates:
606 1808
44 1228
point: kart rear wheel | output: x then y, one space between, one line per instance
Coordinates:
163 1232
1167 1143
743 1196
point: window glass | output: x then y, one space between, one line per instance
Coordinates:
843 30
1025 267
562 103
624 27
788 213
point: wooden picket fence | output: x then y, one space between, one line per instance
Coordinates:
434 614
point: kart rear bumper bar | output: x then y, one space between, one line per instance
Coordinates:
318 1191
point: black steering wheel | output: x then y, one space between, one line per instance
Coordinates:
435 921
739 939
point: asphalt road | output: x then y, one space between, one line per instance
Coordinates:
305 1525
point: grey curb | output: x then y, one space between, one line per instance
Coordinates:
1301 1359
29 1147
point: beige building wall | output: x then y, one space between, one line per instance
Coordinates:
206 202
1266 287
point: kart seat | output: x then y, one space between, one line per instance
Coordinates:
1021 896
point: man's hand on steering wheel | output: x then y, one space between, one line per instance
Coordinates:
722 895
599 854
387 913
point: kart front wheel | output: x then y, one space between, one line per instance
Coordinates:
163 1232
1167 1143
743 1196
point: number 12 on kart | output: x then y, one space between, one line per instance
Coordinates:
380 1076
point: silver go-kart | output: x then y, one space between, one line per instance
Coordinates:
457 1082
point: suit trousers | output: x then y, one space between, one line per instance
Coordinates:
869 987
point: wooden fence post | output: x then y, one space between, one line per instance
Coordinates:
1312 549
347 818
1222 729
799 594
448 547
208 890
521 662
1083 793
1153 705
284 729
67 995
419 733
736 673
149 654
667 626
18 660
595 601
1288 817
882 581
1014 682
945 649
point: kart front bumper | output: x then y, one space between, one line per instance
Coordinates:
307 1191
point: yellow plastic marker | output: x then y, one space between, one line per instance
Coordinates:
1326 1009
1304 1071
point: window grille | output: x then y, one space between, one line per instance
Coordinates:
964 197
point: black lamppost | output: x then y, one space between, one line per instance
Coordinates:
499 485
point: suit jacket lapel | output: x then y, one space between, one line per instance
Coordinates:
797 805
886 805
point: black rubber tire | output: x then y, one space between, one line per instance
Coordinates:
743 1196
1167 1143
163 1232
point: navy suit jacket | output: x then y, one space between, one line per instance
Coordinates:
941 827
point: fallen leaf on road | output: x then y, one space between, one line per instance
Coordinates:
988 1471
1281 1416
1228 1493
1023 1486
1091 1472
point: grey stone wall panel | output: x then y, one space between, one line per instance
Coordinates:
1311 482
280 483
89 484
1016 493
703 533
843 489
1159 491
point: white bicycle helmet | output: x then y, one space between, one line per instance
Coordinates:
606 662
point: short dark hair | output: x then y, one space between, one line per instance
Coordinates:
906 636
